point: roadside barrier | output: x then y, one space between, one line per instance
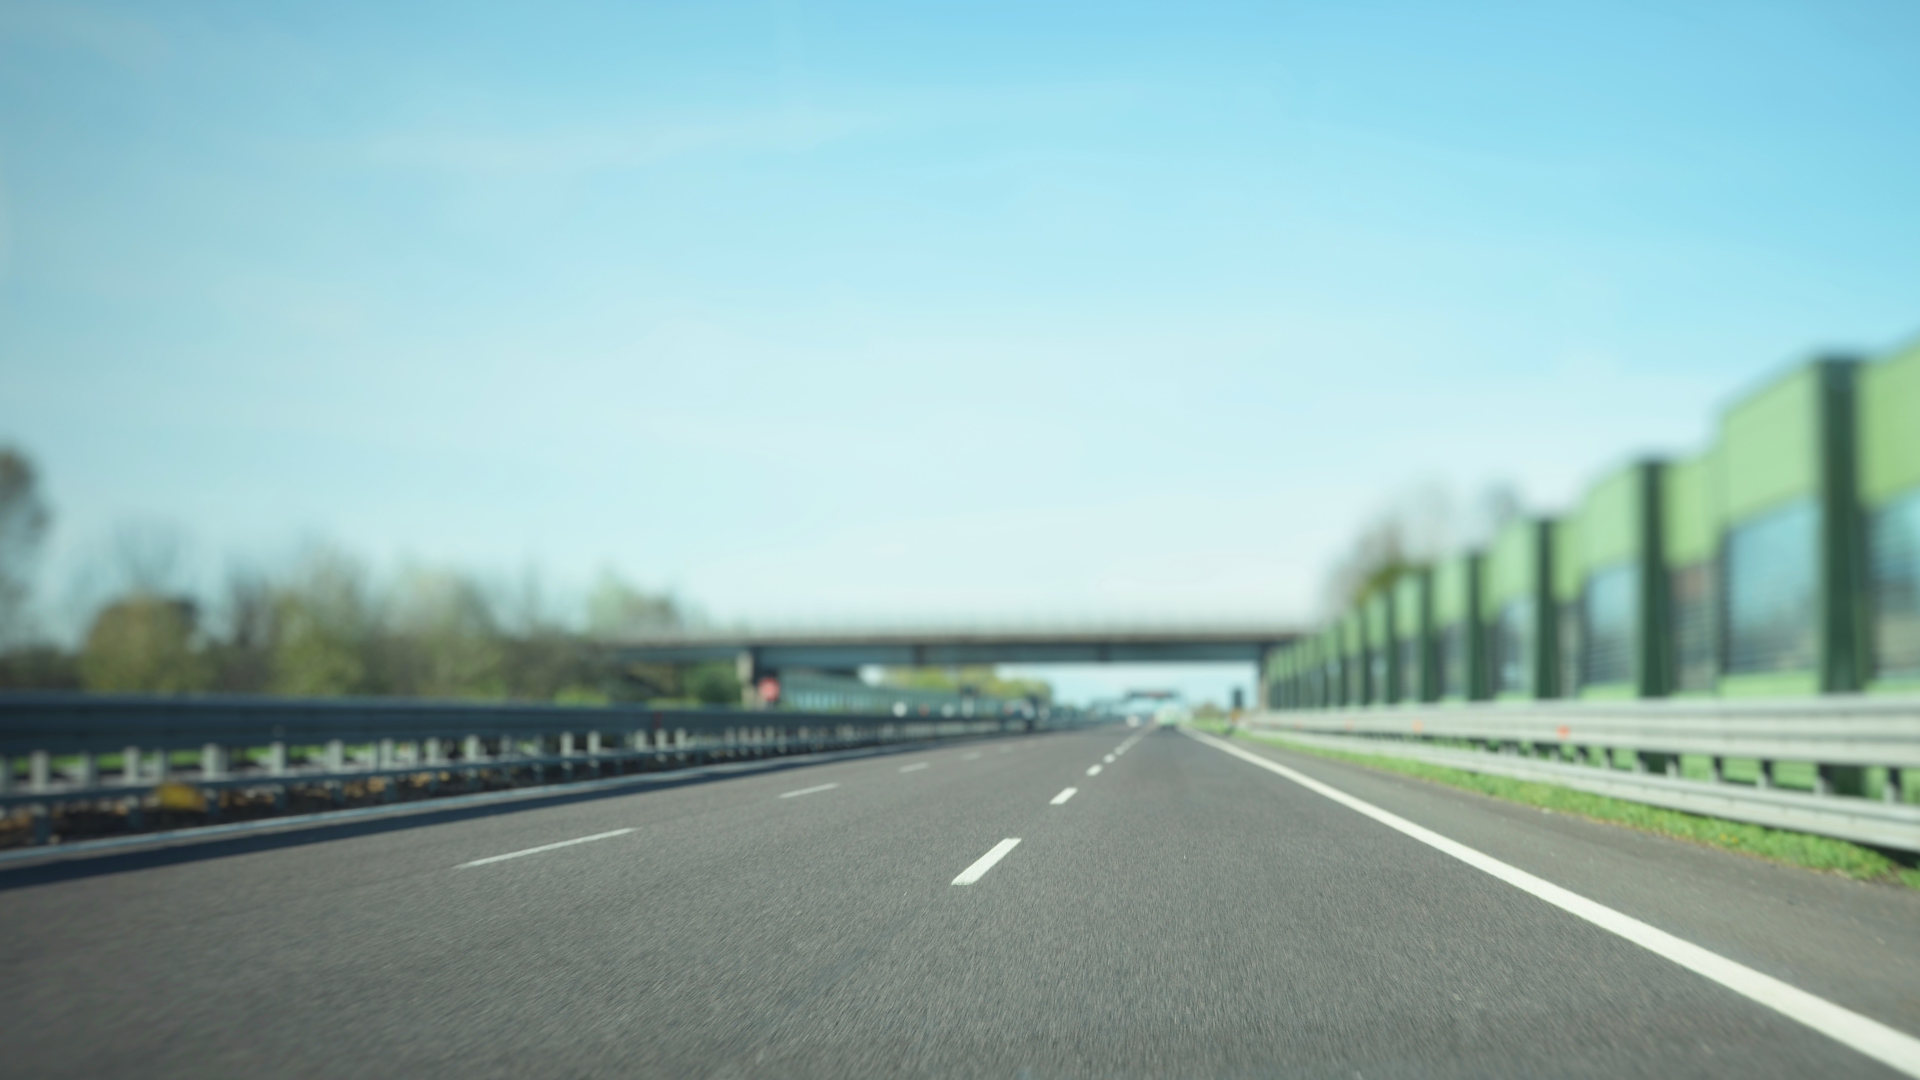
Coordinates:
1844 747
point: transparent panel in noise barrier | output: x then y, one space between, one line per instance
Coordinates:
1569 629
1772 596
1612 611
1692 604
1894 587
1377 664
1409 688
1512 645
1452 647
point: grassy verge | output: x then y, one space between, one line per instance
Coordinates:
1775 845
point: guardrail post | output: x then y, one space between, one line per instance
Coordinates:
1717 769
1763 776
277 766
87 774
1895 790
334 759
1841 779
213 766
130 765
39 770
385 756
6 774
593 751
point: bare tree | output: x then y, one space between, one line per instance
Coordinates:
616 609
147 554
249 629
1419 527
23 526
1499 504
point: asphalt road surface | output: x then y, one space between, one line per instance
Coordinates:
952 912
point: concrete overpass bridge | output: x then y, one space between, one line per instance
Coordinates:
760 653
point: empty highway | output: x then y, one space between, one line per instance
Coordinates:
1105 903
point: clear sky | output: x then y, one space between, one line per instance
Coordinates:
916 311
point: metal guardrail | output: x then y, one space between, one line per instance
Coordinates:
62 750
1584 745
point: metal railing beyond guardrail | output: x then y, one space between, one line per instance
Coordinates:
1740 752
66 750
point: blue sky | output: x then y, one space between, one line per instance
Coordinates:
915 312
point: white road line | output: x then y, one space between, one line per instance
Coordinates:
810 790
1887 1045
541 848
1095 771
1063 796
1109 759
985 862
915 767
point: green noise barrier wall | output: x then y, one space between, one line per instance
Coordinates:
1382 663
1413 638
1567 610
1516 604
1783 560
1790 621
1619 649
1690 543
1458 641
1889 459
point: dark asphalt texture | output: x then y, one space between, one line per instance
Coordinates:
1184 915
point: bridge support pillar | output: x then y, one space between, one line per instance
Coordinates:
747 667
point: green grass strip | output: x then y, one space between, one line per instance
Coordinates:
1775 845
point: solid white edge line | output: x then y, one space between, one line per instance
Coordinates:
985 862
915 767
1063 796
1095 771
1884 1044
541 848
810 790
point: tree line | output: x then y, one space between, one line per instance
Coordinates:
327 627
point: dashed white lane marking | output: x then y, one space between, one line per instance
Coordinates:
1876 1040
1108 759
971 755
985 862
1095 771
541 848
1063 796
915 767
810 790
